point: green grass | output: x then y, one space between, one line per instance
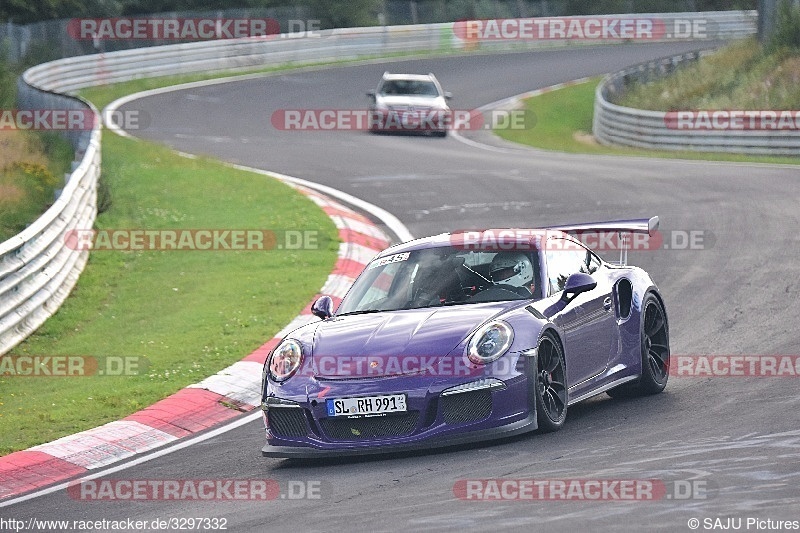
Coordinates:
558 116
189 313
564 122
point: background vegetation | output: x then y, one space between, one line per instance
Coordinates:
741 76
32 165
744 75
564 123
355 12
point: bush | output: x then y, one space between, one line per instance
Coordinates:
28 187
36 177
787 27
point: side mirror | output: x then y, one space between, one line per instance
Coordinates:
323 307
577 283
448 95
371 94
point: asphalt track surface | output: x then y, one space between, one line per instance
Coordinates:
738 435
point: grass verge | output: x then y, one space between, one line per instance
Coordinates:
186 314
740 76
564 122
32 166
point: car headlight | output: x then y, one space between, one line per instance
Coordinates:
285 360
490 342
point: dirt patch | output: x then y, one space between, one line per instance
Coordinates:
585 138
17 147
9 193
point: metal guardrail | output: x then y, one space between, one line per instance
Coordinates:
624 126
37 269
54 37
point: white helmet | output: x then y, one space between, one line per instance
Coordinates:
512 268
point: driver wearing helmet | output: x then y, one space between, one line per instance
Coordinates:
513 271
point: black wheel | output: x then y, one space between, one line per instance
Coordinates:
551 385
654 333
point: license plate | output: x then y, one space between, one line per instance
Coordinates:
367 405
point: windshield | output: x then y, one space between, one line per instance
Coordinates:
443 276
409 88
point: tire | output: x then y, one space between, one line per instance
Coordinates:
654 334
551 385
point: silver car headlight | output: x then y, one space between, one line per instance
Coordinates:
490 342
285 360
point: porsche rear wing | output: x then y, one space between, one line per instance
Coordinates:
622 227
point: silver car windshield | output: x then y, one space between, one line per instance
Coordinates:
408 88
443 276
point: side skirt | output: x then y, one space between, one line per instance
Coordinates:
601 389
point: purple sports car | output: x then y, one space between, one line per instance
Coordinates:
468 336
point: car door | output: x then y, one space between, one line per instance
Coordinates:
588 320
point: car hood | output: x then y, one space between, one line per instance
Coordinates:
395 342
412 101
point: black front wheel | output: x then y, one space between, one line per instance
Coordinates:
551 385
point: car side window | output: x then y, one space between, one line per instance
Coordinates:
564 258
388 87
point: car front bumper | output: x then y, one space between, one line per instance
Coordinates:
441 414
309 452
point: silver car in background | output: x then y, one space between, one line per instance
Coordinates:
411 103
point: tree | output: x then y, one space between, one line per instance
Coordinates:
349 14
28 11
786 33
